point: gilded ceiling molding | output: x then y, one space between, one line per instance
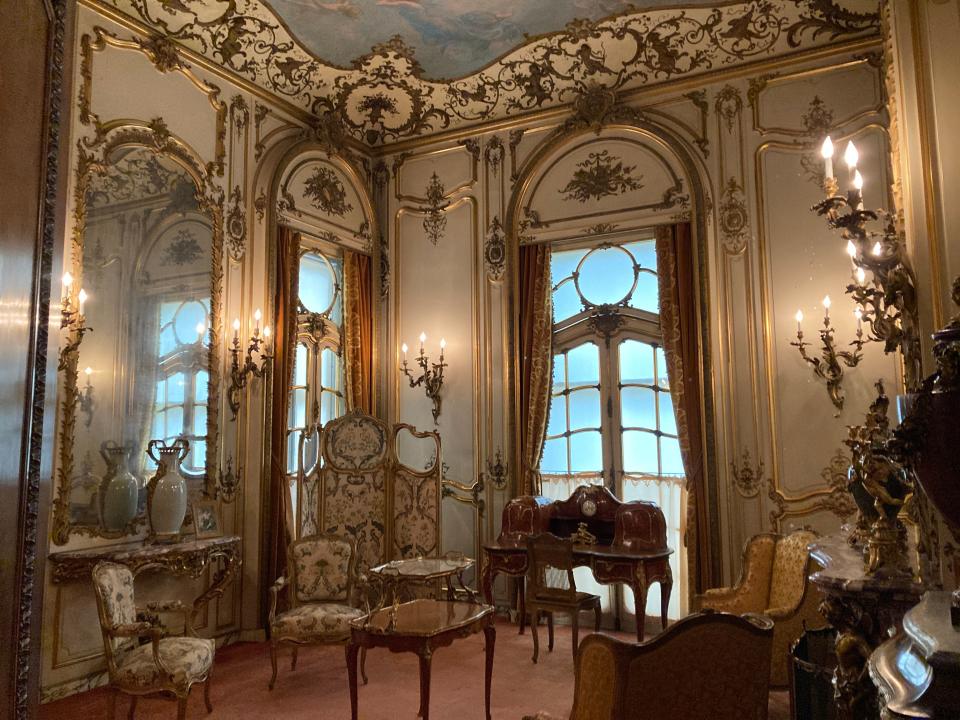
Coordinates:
383 96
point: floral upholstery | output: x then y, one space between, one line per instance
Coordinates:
322 569
773 582
114 587
187 659
326 622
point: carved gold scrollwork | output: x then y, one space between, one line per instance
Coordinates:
746 477
236 226
734 218
435 222
835 499
495 250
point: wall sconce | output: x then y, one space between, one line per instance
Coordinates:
73 321
888 299
431 375
828 365
85 400
240 373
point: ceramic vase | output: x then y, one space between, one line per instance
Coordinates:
167 491
119 489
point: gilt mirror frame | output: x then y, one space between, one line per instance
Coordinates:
93 157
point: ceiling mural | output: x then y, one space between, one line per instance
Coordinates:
384 96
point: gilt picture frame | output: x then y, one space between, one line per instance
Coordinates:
206 519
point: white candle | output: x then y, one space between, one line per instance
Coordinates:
799 317
858 186
256 320
443 344
236 328
858 314
877 250
88 371
851 249
851 157
67 282
861 276
423 339
826 307
82 298
403 349
266 332
826 150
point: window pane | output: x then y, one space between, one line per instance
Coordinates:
586 452
668 421
564 262
640 452
636 362
638 407
644 252
662 369
300 362
585 409
316 283
197 457
200 421
672 461
647 295
331 375
554 456
558 416
336 314
583 365
606 275
293 441
175 388
566 302
190 315
311 451
174 422
200 387
329 406
298 408
559 369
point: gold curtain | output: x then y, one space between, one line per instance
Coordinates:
358 330
536 357
676 269
285 321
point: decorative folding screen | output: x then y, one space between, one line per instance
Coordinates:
389 509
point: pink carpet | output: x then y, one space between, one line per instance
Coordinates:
318 689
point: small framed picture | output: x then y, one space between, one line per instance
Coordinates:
206 519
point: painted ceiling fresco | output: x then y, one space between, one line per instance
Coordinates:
451 38
385 96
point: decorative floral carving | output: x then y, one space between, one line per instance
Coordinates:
326 192
734 220
260 205
817 121
746 477
606 321
239 113
599 176
601 228
182 250
495 250
384 97
493 153
699 99
435 222
162 53
236 226
473 147
728 105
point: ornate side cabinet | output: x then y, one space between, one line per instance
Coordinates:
918 671
864 609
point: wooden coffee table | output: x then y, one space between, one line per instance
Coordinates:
421 626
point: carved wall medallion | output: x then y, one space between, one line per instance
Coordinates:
746 477
239 113
601 175
734 218
236 226
384 97
493 153
326 193
435 222
728 105
495 250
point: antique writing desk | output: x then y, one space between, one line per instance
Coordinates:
631 545
421 626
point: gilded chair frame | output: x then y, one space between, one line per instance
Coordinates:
289 581
149 628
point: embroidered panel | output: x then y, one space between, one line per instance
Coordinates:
416 514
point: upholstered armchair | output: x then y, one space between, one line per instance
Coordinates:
773 582
321 585
708 665
166 664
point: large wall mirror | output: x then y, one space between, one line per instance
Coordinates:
142 324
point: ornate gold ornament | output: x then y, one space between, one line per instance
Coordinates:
497 471
699 100
495 250
601 175
239 113
837 500
493 153
435 222
236 226
734 218
260 113
241 372
729 105
260 205
816 121
326 192
430 377
746 477
601 228
384 97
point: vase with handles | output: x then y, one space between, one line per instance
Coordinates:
119 489
167 490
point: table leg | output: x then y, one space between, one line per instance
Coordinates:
490 638
522 589
486 581
425 657
451 596
352 650
665 587
640 605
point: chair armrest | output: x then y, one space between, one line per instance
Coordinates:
274 593
725 599
173 606
137 629
781 613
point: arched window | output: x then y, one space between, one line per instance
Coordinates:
611 415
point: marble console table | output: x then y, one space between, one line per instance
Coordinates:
864 610
918 671
190 557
